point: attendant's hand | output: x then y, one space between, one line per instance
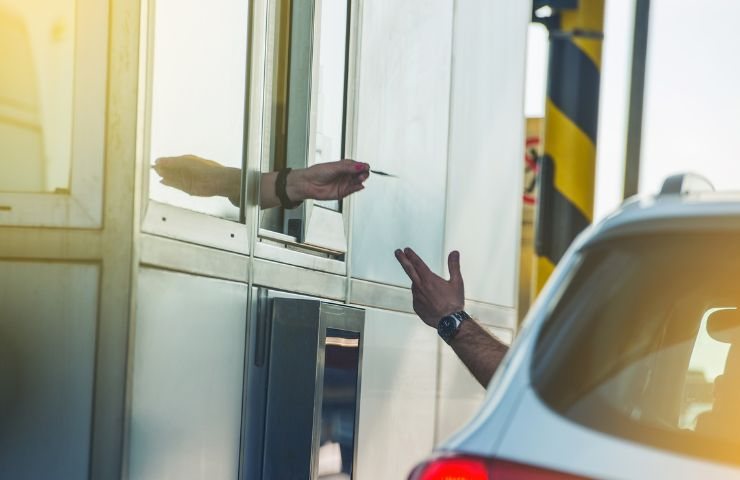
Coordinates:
327 181
199 176
434 297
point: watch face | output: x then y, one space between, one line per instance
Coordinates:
447 327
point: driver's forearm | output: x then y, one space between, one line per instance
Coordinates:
479 350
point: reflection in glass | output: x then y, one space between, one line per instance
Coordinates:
339 404
652 350
277 116
36 83
331 85
295 99
198 92
707 362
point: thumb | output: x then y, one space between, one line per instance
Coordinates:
453 263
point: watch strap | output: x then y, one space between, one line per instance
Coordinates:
281 183
449 325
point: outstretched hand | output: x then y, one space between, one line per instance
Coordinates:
327 181
205 178
198 176
433 296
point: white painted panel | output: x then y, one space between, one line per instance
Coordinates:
402 123
187 377
397 407
484 193
48 316
460 395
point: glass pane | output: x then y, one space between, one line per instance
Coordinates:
707 362
36 80
296 102
198 101
331 94
339 404
645 344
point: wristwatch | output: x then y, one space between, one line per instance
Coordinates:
449 325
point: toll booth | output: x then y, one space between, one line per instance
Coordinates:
144 328
303 394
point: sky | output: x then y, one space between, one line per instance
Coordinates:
692 99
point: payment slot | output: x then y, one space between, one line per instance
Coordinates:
310 382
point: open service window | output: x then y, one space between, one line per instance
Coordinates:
304 374
309 113
53 77
196 63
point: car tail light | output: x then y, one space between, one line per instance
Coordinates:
465 467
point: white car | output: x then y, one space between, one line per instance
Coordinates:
628 365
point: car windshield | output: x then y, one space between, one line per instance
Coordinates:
644 344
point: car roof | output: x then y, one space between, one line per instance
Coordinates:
685 213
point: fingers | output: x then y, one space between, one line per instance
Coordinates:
453 263
350 167
174 162
359 178
349 190
162 165
407 266
163 161
185 161
419 266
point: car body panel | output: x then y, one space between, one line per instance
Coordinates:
539 436
514 424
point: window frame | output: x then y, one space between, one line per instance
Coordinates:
82 205
322 229
171 221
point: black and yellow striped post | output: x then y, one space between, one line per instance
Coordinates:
567 168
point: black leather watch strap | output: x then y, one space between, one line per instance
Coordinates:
281 183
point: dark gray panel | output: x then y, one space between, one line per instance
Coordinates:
47 352
288 416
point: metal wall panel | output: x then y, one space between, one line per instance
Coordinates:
484 196
187 377
402 122
398 399
460 395
48 316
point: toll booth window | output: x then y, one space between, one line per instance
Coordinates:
329 134
37 69
307 113
339 404
198 89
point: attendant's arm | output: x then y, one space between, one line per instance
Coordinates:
206 178
435 297
323 181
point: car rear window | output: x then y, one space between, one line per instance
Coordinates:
644 344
